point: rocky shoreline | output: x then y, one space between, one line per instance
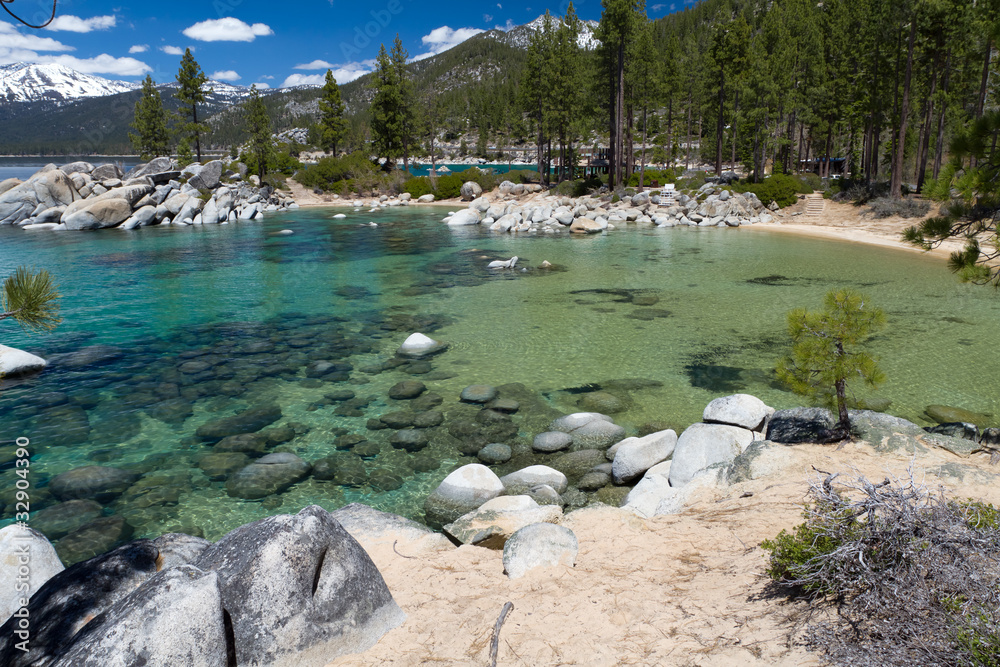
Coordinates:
82 196
303 590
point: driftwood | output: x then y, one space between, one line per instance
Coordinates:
495 644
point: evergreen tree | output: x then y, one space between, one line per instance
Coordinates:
260 148
332 124
31 299
392 108
974 214
826 350
407 102
616 31
536 87
191 92
151 138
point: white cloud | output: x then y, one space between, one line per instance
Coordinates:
262 86
487 18
316 64
11 39
102 64
266 76
172 50
227 29
443 38
508 27
70 23
342 73
657 8
139 48
224 75
303 80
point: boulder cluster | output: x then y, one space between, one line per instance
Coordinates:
710 206
80 196
285 590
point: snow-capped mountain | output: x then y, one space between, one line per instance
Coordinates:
520 36
222 92
24 82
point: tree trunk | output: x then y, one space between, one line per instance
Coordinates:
736 107
687 156
197 134
844 420
620 114
939 143
642 162
719 123
981 100
896 183
925 131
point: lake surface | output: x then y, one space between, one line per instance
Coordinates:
664 319
24 167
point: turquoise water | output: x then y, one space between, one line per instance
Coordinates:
665 319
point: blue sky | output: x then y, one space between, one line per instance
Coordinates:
249 41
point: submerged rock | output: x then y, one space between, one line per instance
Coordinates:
100 483
248 421
267 475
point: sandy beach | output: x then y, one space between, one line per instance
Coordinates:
684 589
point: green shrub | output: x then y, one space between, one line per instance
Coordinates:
418 186
810 183
520 176
330 170
664 176
778 188
448 186
577 188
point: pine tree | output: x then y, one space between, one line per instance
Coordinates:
826 350
386 117
151 138
191 92
407 103
332 124
31 299
974 215
260 148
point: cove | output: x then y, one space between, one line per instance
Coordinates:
181 327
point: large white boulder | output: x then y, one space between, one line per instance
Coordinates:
492 524
470 190
461 492
635 456
535 475
738 410
28 549
704 445
463 218
539 545
14 362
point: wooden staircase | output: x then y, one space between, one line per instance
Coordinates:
815 205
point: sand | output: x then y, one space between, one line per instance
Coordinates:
684 589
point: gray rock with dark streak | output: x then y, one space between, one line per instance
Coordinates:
299 590
67 602
208 177
173 618
797 425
